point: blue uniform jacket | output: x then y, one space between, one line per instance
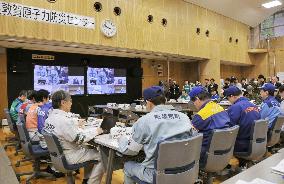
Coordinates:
243 113
270 108
43 112
215 97
211 116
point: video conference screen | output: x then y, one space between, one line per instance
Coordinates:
106 81
54 78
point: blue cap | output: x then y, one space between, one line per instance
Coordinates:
232 91
153 92
195 91
268 87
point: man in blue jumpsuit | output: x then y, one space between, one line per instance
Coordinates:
209 117
243 113
161 123
270 107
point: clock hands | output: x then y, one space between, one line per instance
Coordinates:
107 26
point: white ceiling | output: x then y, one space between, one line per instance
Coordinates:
249 12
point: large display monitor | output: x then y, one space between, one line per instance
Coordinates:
106 81
54 78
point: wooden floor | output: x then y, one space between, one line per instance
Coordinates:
27 166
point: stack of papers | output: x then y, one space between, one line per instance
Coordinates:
255 181
225 102
279 169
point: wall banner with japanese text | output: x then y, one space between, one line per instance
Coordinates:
44 15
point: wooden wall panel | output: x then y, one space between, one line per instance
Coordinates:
230 70
260 66
264 63
179 71
134 32
279 56
3 82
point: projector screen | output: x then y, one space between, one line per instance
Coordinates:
54 78
106 81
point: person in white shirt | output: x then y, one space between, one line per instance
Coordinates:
63 125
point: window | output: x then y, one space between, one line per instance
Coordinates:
273 26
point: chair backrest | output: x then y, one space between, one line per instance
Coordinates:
108 111
24 138
274 134
178 160
258 141
93 111
221 149
56 152
9 120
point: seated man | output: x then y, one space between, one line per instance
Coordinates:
214 94
32 114
270 107
243 113
43 111
209 117
184 96
161 123
281 93
71 137
26 105
16 104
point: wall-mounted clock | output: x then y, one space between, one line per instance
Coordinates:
108 28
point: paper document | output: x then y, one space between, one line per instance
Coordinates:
255 181
279 168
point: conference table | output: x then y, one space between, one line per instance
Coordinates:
110 160
179 106
135 110
261 170
106 141
7 174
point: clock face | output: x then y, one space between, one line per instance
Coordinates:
108 28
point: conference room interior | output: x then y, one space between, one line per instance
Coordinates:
109 59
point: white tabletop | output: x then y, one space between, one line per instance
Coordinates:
261 170
107 141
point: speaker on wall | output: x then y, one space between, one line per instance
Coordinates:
136 72
85 61
16 62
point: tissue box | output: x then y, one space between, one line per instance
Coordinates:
4 122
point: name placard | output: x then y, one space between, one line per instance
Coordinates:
43 57
45 15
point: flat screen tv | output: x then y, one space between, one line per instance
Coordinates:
106 81
54 78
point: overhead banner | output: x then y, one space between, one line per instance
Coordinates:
44 15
